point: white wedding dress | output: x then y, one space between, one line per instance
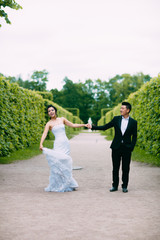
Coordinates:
60 163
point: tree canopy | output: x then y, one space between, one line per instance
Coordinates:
92 96
7 3
38 81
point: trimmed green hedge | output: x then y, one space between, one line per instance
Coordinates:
101 121
109 117
23 117
146 110
104 111
76 119
45 95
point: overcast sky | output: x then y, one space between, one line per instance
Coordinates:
81 39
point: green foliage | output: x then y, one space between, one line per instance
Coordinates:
104 111
105 119
121 86
21 119
109 117
39 80
76 119
58 96
101 121
36 82
101 97
116 110
146 110
8 3
46 95
74 111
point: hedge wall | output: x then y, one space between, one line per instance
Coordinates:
101 121
146 110
104 111
76 119
23 117
45 95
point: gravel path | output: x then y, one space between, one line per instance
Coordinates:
91 212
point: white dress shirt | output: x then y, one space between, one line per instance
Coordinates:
124 124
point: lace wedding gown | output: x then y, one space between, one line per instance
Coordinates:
60 163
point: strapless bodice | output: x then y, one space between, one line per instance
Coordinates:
61 143
59 131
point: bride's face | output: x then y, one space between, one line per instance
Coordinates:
51 112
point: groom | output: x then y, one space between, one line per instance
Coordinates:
122 144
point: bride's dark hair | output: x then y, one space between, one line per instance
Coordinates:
54 109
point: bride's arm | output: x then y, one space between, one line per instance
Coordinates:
44 135
74 125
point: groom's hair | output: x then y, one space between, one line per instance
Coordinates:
128 105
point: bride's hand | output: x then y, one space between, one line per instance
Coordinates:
89 126
41 147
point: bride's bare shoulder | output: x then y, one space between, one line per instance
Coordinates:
62 119
49 124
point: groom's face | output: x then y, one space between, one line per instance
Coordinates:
124 111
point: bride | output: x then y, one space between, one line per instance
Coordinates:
59 160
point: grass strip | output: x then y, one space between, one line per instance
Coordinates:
141 155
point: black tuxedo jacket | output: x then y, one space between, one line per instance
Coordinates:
128 139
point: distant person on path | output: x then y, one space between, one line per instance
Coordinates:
122 144
59 160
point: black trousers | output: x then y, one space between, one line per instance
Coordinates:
117 155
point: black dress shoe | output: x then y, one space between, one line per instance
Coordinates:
124 190
113 189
